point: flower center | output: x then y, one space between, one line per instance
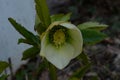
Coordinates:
59 37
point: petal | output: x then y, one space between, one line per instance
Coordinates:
68 25
60 57
44 42
54 24
76 41
76 38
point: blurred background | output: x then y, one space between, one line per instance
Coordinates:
105 56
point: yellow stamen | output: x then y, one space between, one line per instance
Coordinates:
59 37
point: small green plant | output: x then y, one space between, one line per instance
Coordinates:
3 66
58 40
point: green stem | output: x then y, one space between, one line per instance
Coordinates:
52 71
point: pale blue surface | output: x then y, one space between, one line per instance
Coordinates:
23 11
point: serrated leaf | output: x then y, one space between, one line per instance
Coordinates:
3 77
30 53
43 12
60 17
92 25
92 36
3 66
80 73
24 32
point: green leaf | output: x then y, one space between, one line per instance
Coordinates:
84 58
30 53
3 66
37 20
24 32
52 72
3 77
43 12
92 36
92 25
80 73
21 40
39 27
60 17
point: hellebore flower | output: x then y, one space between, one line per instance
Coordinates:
61 42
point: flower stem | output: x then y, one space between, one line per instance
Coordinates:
52 71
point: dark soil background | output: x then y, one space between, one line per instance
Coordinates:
105 56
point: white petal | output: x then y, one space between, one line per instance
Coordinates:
68 25
44 43
60 57
54 24
76 40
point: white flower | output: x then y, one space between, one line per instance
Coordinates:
61 42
